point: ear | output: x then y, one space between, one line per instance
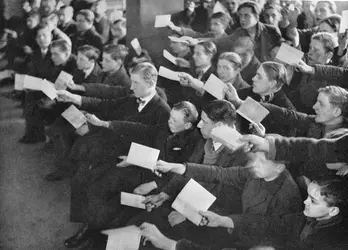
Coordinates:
218 124
337 112
329 55
188 125
280 168
334 211
273 83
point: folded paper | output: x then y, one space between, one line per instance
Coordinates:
48 89
227 136
31 82
136 46
74 116
192 199
252 111
289 55
132 200
215 87
169 74
142 156
62 80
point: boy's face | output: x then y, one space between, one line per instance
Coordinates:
315 205
216 27
176 121
32 22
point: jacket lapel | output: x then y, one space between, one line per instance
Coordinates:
150 105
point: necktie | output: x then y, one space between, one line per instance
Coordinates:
140 102
200 74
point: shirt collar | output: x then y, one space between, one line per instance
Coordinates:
216 145
148 98
204 70
89 71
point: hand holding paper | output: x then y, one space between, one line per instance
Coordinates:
62 80
158 240
169 74
136 46
192 199
48 89
74 116
169 56
142 156
162 21
66 96
215 87
227 136
252 111
132 200
123 238
289 55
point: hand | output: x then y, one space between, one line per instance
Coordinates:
123 163
341 167
293 35
211 219
255 143
154 201
92 119
6 74
192 41
257 129
181 62
175 218
66 96
27 49
343 40
48 103
165 167
343 170
304 68
145 188
82 130
185 79
231 93
158 240
174 28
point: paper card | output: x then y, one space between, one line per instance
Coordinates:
192 199
289 55
136 46
62 80
169 56
218 7
227 136
215 87
162 21
31 82
142 156
48 89
252 111
169 74
19 82
344 21
132 200
125 238
74 116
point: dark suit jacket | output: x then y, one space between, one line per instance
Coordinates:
93 77
90 37
249 71
69 28
103 28
182 19
119 78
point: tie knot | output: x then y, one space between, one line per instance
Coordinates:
140 101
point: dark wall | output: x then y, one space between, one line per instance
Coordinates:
140 23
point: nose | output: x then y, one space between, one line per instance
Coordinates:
200 124
306 202
132 87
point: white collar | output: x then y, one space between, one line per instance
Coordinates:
44 51
146 100
204 70
216 145
89 71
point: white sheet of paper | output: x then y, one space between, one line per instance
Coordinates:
227 136
289 55
169 74
136 46
162 21
125 238
218 7
74 116
48 89
215 87
19 82
344 21
192 199
252 111
62 80
142 156
169 56
31 82
132 200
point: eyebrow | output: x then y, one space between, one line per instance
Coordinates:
313 198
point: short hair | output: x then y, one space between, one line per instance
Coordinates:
232 57
245 42
276 7
220 111
326 39
33 14
255 8
117 51
147 71
62 45
122 21
91 52
88 15
67 7
276 71
189 110
332 5
333 21
43 26
209 47
334 191
338 97
222 17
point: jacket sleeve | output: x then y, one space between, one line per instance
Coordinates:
286 117
102 106
299 149
332 73
184 244
235 176
105 91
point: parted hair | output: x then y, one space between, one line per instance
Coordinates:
147 71
338 97
221 111
189 110
117 51
276 71
91 52
326 39
62 45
